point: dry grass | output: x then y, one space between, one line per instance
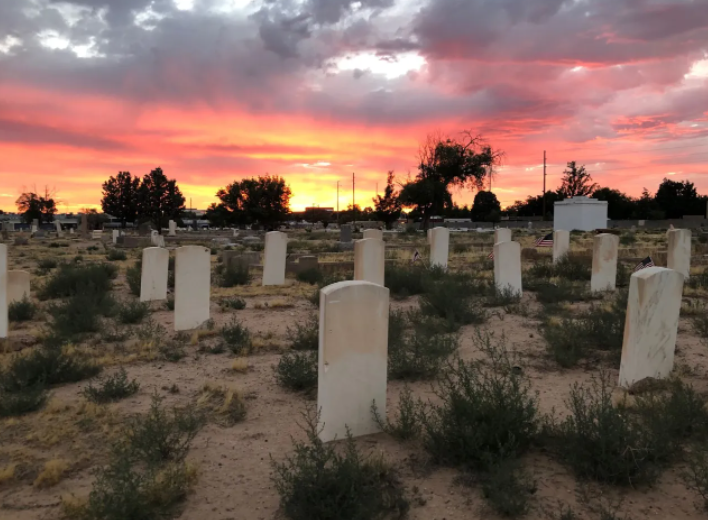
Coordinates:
224 403
7 473
240 365
52 473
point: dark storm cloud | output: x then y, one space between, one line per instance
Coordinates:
20 132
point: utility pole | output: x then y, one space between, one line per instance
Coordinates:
353 200
337 202
544 185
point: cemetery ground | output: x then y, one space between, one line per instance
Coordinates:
497 406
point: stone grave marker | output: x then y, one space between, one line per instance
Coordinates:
679 251
507 267
4 322
345 233
604 262
172 230
192 286
369 260
439 247
502 235
651 324
18 286
373 233
153 279
274 255
353 358
561 244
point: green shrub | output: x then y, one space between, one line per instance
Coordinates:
696 477
79 313
111 389
450 298
569 267
45 366
22 401
420 352
234 303
23 310
236 273
132 312
406 424
404 280
501 297
628 239
116 255
47 263
161 435
507 489
328 279
56 245
605 443
133 276
321 482
297 370
172 351
311 276
70 279
486 411
236 337
305 336
170 303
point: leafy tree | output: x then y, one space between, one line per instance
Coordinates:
159 199
620 206
679 198
533 206
219 215
40 207
443 164
120 197
647 208
314 215
458 212
388 207
265 200
486 207
576 182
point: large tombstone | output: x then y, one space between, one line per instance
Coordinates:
35 225
369 260
153 279
116 235
192 286
3 292
373 233
651 324
604 262
507 267
172 230
97 234
439 247
353 357
679 251
18 286
561 244
345 233
57 225
502 235
274 255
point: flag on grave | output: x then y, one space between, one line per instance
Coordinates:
416 256
647 262
546 241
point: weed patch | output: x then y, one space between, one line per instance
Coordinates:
132 312
297 370
23 310
305 336
111 389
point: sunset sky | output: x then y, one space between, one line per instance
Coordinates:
313 90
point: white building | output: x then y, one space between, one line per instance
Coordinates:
580 213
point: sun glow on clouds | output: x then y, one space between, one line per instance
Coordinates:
390 67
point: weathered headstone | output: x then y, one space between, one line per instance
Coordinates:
84 225
345 233
679 251
651 324
153 279
369 260
97 234
172 228
39 234
561 244
352 364
35 225
502 235
116 235
373 233
274 255
18 286
192 286
439 246
429 236
4 325
57 225
507 267
604 262
529 226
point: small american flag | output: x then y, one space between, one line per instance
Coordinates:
491 255
647 262
416 256
546 241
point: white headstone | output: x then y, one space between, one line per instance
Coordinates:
172 228
439 246
153 279
71 231
3 292
429 236
353 357
502 235
369 260
116 234
679 251
507 267
192 286
529 226
57 224
373 233
651 324
604 262
561 244
97 234
18 286
275 252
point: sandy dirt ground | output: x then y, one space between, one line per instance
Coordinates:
234 463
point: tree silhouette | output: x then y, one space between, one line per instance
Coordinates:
263 200
388 207
121 197
576 182
486 207
159 199
37 207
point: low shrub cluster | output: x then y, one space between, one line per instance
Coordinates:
23 310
